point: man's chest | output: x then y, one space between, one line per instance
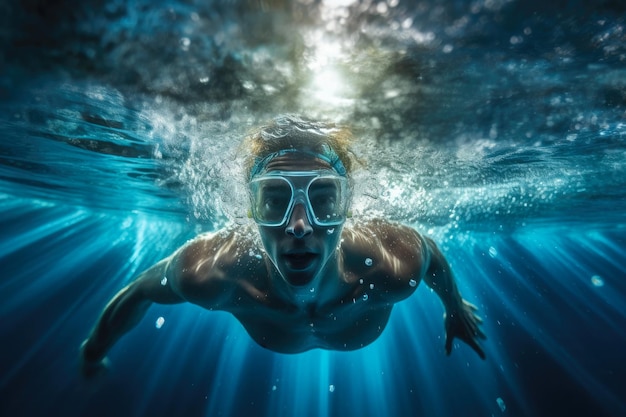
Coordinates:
347 325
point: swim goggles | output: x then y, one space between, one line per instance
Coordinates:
324 194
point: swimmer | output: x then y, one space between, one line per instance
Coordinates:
297 279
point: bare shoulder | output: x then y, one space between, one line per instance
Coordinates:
207 268
390 253
383 238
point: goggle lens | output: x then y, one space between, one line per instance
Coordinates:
325 197
272 200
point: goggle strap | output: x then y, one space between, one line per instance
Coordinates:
328 155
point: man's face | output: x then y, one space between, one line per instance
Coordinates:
299 249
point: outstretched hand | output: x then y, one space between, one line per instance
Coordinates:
463 323
91 369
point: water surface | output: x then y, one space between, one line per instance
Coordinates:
496 127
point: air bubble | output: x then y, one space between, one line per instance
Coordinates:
331 388
164 281
597 281
412 283
501 404
365 297
493 252
330 231
184 43
159 322
368 262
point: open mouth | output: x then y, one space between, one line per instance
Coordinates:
299 261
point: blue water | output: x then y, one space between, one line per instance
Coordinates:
497 127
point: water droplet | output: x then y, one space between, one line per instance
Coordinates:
184 43
597 281
501 404
412 282
331 388
493 252
365 297
159 322
330 231
164 281
368 262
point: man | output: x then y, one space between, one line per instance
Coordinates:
298 280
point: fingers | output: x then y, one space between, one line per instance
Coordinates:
474 345
465 326
481 334
471 339
475 331
94 370
471 306
471 342
449 344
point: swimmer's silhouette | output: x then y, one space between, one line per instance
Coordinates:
298 279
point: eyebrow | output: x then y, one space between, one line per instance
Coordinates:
324 183
275 188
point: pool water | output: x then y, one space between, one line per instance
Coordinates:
496 127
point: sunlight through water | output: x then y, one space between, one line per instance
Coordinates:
494 127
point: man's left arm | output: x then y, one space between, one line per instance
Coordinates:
460 317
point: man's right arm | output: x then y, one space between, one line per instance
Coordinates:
125 311
200 272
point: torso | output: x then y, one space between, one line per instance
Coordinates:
353 317
351 322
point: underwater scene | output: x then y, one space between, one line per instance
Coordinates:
495 127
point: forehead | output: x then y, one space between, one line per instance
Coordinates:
296 161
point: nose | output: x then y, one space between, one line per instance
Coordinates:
299 225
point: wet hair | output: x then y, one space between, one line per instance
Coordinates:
297 133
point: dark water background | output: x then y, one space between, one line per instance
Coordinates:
497 127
